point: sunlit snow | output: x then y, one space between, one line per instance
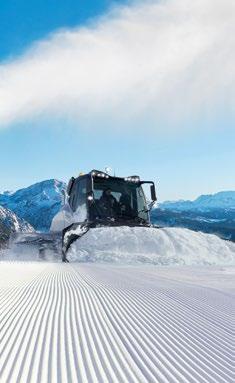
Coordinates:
164 246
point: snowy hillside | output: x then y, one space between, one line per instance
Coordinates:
37 204
221 200
11 223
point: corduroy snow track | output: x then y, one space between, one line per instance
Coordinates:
107 323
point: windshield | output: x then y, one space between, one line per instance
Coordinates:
119 200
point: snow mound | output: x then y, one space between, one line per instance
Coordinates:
165 246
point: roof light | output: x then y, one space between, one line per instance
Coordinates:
132 179
99 174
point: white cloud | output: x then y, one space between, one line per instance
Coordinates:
144 62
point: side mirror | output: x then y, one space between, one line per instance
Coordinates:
153 193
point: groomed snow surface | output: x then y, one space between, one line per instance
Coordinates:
107 323
123 318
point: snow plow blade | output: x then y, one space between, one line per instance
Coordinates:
70 234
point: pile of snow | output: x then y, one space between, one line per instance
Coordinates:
168 246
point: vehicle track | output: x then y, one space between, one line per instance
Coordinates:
105 323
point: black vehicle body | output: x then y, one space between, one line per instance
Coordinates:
128 207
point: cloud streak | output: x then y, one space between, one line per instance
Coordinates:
152 61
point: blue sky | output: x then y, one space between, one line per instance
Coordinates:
186 156
24 21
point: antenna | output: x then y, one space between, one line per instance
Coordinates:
108 170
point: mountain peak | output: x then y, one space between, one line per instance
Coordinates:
37 204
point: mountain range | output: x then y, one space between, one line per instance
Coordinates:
214 213
205 203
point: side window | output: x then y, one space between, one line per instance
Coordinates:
78 196
141 201
72 196
81 199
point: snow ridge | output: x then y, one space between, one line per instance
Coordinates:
90 323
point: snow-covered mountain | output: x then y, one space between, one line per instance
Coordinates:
11 223
213 213
36 204
220 200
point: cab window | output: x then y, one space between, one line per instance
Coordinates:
78 195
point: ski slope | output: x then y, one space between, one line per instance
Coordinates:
116 323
